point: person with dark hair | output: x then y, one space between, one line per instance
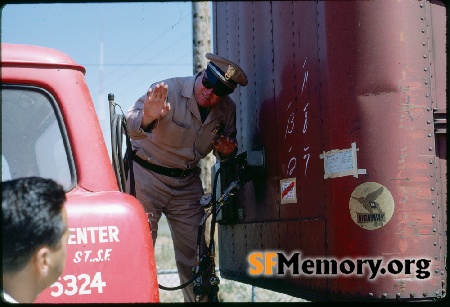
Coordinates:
178 122
34 237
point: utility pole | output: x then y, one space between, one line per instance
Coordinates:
201 33
202 45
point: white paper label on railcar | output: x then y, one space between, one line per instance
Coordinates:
340 163
288 188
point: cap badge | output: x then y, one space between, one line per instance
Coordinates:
230 72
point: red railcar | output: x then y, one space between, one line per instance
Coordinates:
348 100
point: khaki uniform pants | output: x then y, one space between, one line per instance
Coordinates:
179 200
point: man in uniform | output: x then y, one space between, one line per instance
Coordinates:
176 124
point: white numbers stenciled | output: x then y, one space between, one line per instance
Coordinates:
98 283
71 286
305 125
59 288
305 80
84 285
291 166
289 125
306 157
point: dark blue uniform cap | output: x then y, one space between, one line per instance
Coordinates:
224 75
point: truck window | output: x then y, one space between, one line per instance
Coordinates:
34 141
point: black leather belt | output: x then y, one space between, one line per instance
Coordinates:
166 171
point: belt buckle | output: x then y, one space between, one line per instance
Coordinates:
186 172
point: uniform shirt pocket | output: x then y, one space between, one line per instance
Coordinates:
173 134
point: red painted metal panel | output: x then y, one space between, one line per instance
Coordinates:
355 75
29 55
109 250
110 253
298 108
265 206
78 111
245 238
377 95
436 32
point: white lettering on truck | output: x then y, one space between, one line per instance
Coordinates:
86 235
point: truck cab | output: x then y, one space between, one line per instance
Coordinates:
50 129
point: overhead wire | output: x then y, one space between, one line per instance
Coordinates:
145 80
144 48
111 83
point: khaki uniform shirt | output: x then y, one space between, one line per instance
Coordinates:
179 139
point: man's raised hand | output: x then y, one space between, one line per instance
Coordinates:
155 104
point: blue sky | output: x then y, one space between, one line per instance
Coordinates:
143 42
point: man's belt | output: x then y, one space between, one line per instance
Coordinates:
166 171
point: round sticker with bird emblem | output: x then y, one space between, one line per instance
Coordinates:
371 205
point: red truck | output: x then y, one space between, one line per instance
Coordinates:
50 129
